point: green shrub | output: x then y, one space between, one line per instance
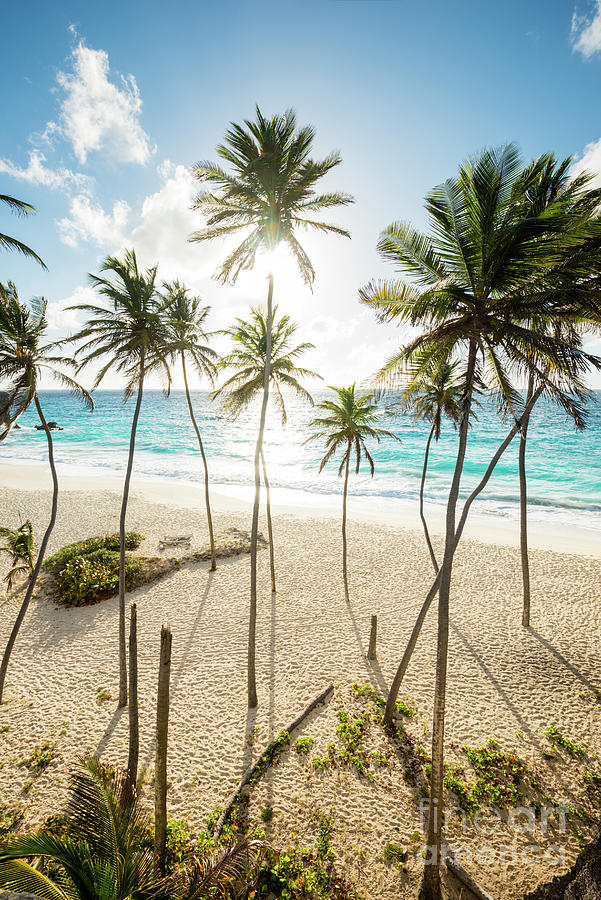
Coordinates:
65 555
94 576
554 736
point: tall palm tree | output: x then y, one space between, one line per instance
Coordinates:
483 284
547 184
435 393
346 426
248 358
132 333
25 356
266 195
10 243
18 544
185 320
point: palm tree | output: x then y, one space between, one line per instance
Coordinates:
185 320
132 333
346 427
10 243
267 195
24 357
19 546
435 393
102 851
546 185
249 360
486 281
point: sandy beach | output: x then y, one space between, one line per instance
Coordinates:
505 682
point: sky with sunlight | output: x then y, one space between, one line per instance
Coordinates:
106 106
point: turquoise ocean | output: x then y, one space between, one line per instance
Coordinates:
564 466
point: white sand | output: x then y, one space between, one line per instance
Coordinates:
504 682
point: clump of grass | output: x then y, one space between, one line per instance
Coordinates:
41 757
267 814
10 818
555 737
324 839
395 854
102 695
592 786
303 745
401 705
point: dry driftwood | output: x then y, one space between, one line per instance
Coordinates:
252 770
466 879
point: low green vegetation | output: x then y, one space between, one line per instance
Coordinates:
40 758
267 814
401 705
88 571
303 745
102 695
393 853
555 737
592 786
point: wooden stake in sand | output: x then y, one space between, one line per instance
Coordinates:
371 653
134 731
160 766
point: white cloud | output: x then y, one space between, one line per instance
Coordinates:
87 222
590 161
97 114
61 318
38 173
586 31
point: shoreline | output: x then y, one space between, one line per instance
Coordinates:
237 499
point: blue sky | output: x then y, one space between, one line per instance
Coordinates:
106 106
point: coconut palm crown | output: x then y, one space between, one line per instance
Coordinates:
18 544
26 355
346 427
247 358
268 193
131 332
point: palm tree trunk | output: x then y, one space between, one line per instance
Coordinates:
252 625
404 664
206 468
524 512
430 888
269 524
160 767
134 727
421 500
344 495
130 462
40 559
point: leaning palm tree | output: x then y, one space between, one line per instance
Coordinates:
18 544
345 428
487 283
132 333
185 320
10 243
25 356
434 394
547 184
101 851
266 195
248 358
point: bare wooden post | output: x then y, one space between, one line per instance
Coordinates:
134 730
371 653
160 766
